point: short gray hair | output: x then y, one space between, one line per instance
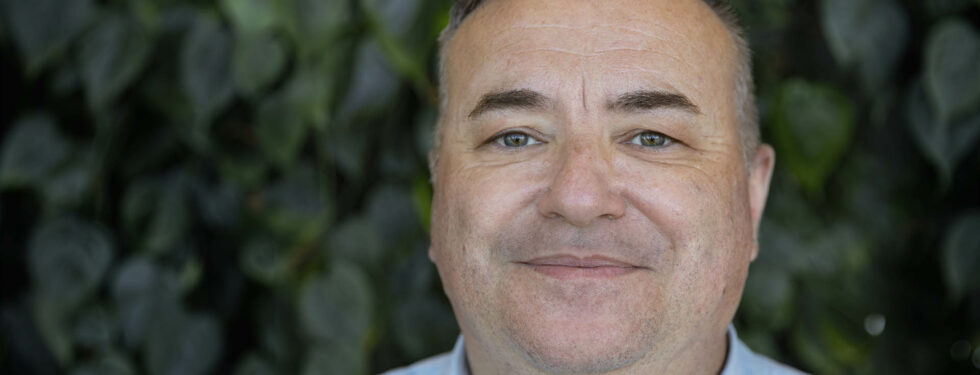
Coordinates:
746 114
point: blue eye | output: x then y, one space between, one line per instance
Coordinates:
651 139
516 140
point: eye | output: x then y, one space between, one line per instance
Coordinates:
515 140
651 139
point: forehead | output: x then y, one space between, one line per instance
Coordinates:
612 44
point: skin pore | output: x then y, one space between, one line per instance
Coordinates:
592 210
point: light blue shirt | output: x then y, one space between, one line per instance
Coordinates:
740 361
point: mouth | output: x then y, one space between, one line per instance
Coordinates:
569 266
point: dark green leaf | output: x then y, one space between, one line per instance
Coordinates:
255 365
867 34
357 240
80 253
961 256
107 364
280 129
952 79
111 57
252 16
422 325
265 260
94 328
296 206
70 186
31 151
813 127
143 293
337 306
315 24
768 297
334 358
206 70
193 346
40 40
392 210
943 143
373 84
155 212
257 62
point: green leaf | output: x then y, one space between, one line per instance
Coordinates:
254 364
31 151
206 70
80 252
315 24
392 210
310 91
142 293
106 364
94 329
336 307
961 256
768 297
112 55
296 207
813 125
42 40
71 185
280 130
155 212
867 34
193 346
252 16
373 84
422 325
265 260
944 143
952 79
258 61
334 358
356 240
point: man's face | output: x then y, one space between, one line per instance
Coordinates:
592 210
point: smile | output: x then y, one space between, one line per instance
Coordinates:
568 267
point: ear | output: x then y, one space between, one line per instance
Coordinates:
759 176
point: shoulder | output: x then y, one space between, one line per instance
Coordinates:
432 366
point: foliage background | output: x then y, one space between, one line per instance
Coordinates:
239 186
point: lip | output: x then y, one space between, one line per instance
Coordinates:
570 266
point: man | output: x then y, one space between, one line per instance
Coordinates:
598 188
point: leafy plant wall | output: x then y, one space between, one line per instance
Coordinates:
239 186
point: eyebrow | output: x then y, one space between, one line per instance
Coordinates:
510 99
646 100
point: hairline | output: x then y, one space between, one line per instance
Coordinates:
746 113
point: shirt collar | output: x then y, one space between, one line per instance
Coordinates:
736 350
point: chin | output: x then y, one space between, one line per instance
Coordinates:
554 343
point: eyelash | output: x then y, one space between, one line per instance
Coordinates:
634 138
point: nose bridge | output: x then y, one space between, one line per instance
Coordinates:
582 189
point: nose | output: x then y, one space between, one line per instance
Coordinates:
581 191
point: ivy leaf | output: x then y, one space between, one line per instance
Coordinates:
191 345
942 142
258 60
961 256
264 260
31 150
316 24
280 130
334 358
80 252
952 79
206 70
155 212
251 16
373 84
111 57
422 325
296 207
143 292
254 364
867 34
768 298
813 125
107 364
40 40
337 306
358 240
